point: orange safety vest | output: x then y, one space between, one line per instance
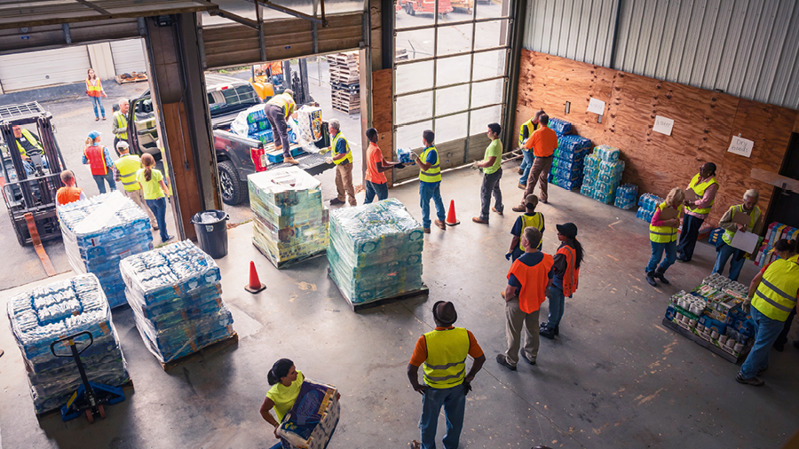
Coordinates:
66 195
534 282
96 157
572 274
93 89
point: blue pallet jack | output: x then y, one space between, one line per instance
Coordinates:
89 398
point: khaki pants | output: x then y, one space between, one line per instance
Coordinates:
515 321
344 185
138 197
539 173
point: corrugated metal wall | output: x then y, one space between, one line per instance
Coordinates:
747 48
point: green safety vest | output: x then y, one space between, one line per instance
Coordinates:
128 166
122 123
348 157
31 139
754 216
776 295
433 174
663 234
699 190
530 126
445 366
537 221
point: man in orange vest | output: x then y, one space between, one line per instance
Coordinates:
528 279
565 274
543 142
99 160
69 193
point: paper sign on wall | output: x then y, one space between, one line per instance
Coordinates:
741 146
596 106
663 125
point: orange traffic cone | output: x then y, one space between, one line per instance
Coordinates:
255 284
451 219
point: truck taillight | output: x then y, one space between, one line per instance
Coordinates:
258 158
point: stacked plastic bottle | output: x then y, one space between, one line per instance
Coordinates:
174 292
561 127
567 163
375 251
647 203
404 156
254 124
290 219
626 196
45 314
602 174
101 230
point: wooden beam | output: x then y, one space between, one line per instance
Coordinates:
294 13
777 180
236 18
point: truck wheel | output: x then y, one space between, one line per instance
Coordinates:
229 184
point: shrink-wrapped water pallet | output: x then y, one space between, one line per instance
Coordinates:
45 314
375 251
567 162
602 174
175 294
290 219
99 232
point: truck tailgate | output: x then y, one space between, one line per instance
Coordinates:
310 162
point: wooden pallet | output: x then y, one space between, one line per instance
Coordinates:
424 291
702 342
349 97
233 340
349 109
287 263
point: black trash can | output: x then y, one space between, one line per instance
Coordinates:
211 228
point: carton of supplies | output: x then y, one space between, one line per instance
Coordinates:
375 251
647 203
99 232
404 156
602 174
45 314
774 233
309 121
559 126
626 196
290 219
312 420
174 292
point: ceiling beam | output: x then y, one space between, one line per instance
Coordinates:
320 20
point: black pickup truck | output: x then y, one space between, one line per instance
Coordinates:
235 154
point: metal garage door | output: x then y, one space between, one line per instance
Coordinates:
128 56
43 68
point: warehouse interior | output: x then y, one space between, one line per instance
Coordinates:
617 376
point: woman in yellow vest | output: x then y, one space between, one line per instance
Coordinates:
704 185
772 296
155 192
125 170
94 89
663 236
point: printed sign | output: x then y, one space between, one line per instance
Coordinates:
596 106
663 125
741 146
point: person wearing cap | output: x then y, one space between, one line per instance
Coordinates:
99 160
119 126
747 212
528 278
492 174
704 185
443 352
125 169
530 218
565 275
277 110
70 192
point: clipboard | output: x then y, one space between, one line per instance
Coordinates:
667 213
691 196
745 241
741 219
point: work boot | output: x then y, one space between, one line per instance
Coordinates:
499 212
520 171
519 208
441 225
753 381
290 160
502 360
659 274
479 220
426 230
336 202
522 186
650 277
545 331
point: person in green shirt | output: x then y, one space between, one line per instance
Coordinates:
155 192
492 173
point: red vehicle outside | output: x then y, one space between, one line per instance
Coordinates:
425 6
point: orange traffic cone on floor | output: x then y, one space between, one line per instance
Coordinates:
255 284
451 219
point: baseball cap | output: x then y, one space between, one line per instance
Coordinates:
122 144
567 229
94 134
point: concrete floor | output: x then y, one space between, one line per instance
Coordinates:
614 378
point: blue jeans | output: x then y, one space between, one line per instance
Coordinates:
657 252
527 164
490 186
372 189
454 402
428 190
159 210
557 304
109 178
736 263
688 236
766 333
97 103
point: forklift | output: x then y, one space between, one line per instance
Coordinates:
29 185
272 78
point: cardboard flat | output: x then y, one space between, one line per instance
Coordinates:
745 241
741 218
691 196
667 213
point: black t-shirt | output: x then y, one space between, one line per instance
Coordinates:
30 148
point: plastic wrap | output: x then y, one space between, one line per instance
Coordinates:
404 156
99 232
252 123
568 161
312 420
174 293
290 218
43 315
648 202
375 251
626 196
602 173
559 126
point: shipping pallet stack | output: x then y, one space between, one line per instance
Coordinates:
345 82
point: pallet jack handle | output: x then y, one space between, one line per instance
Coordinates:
75 354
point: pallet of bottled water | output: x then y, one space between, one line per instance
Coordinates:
559 126
290 219
175 294
602 174
647 203
375 251
45 314
99 232
626 196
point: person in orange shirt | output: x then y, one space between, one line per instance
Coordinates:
543 142
376 182
69 193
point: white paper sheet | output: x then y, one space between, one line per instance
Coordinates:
741 146
745 241
663 125
596 106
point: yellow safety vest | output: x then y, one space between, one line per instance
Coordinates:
537 221
348 157
433 174
754 216
776 295
530 128
31 139
285 102
699 190
128 166
122 123
663 234
447 350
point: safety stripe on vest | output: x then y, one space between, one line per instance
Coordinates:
444 366
662 233
773 303
443 378
777 290
431 173
130 183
